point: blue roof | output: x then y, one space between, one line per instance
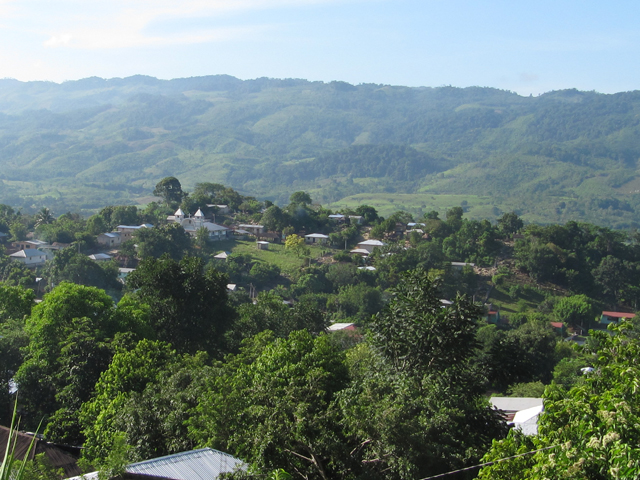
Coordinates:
202 464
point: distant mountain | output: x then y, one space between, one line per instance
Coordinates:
83 144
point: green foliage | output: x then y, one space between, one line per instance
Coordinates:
414 332
273 405
590 427
69 336
187 303
168 239
170 189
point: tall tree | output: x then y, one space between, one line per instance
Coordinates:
188 303
170 189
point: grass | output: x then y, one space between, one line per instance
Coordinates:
277 254
526 299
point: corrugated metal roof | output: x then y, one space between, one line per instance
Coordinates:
202 464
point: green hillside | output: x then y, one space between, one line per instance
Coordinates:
563 155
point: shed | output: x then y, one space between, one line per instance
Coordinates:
262 245
202 464
316 238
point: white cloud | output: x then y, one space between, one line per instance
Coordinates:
122 24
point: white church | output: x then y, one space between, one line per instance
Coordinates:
192 224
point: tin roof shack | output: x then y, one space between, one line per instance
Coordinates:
60 456
202 464
614 317
520 412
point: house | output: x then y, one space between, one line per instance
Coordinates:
100 257
337 217
458 266
558 327
127 231
520 412
614 317
252 229
59 456
369 245
337 327
111 239
123 273
26 244
202 464
222 209
30 257
492 316
316 238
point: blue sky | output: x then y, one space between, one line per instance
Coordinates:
526 47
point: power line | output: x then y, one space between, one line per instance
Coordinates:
488 463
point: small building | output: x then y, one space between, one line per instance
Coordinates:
369 245
123 273
111 239
316 238
262 245
520 412
100 257
338 327
201 464
27 244
614 317
358 219
368 268
222 255
337 217
458 266
30 257
127 231
252 229
60 456
222 209
360 251
558 327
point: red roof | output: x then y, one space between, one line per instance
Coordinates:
618 314
556 324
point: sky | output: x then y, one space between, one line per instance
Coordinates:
525 47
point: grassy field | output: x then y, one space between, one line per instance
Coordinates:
277 254
478 207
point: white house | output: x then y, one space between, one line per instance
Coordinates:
111 239
252 229
31 257
316 238
100 257
370 245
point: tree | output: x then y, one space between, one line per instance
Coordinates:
170 190
587 432
575 310
300 198
188 303
168 239
414 332
56 360
44 217
274 219
416 406
274 406
510 223
128 374
296 244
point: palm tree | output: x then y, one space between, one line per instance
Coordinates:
44 217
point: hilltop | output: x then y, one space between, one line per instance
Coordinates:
84 144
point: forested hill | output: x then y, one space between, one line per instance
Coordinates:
88 143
